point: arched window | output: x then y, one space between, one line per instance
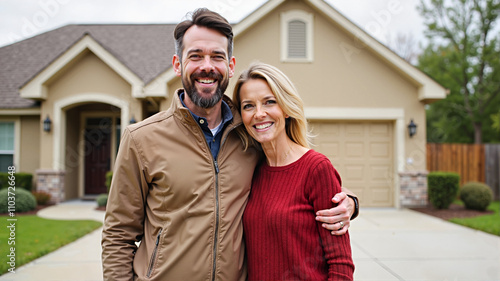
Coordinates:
296 36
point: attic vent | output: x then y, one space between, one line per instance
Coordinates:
297 39
296 36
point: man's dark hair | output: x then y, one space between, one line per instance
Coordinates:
206 18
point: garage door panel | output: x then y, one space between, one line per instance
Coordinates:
380 173
329 129
353 172
354 149
331 150
354 130
379 196
362 152
380 149
380 130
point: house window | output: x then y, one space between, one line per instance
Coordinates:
296 36
6 145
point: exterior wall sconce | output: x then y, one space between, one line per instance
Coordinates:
132 120
412 128
47 124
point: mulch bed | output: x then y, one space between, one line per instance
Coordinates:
454 211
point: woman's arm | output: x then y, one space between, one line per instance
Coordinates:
325 180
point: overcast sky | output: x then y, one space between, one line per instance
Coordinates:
20 19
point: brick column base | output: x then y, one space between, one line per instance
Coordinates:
413 188
52 182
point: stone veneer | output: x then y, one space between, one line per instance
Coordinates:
52 182
413 188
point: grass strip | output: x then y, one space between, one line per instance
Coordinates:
36 236
488 223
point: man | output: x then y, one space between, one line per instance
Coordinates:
182 179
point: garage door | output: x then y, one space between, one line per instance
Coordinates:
363 154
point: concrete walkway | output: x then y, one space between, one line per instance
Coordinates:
387 244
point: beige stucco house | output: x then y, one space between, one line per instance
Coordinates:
90 81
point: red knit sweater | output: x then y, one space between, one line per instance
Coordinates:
283 239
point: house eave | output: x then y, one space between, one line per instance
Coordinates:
19 111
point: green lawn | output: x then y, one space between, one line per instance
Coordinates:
35 237
488 223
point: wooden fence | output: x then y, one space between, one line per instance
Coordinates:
473 162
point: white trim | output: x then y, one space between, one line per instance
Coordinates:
308 19
59 122
428 89
342 113
17 144
36 88
371 114
22 111
158 87
254 17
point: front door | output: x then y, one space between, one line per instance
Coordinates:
97 154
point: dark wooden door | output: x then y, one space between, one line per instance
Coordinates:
97 154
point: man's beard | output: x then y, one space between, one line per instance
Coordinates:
196 98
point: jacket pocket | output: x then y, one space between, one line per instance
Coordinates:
152 261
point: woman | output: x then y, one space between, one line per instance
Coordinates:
288 187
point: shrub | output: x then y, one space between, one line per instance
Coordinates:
476 196
25 201
4 180
41 197
109 176
102 200
443 188
23 180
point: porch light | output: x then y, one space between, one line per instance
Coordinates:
412 128
47 124
132 120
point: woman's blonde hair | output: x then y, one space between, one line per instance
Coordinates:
287 98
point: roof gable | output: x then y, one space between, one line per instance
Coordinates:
428 89
36 87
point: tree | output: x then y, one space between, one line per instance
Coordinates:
464 56
495 118
405 46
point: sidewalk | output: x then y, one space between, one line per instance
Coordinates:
387 244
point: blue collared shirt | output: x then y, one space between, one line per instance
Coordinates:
213 140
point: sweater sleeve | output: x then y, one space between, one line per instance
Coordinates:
124 220
323 183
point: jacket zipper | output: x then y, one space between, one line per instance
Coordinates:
216 165
153 256
214 262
